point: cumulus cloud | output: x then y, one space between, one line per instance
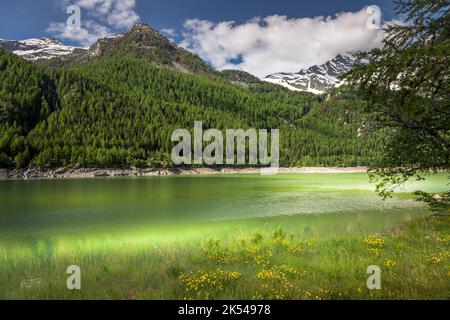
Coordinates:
84 35
276 43
170 33
99 18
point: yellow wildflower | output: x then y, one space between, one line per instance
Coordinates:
388 263
439 257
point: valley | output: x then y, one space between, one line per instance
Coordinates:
112 188
117 104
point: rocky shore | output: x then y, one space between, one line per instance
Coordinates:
61 173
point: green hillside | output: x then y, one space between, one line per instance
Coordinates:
121 111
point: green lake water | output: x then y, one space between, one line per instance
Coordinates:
128 209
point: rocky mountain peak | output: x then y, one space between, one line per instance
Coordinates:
141 41
318 78
142 27
37 48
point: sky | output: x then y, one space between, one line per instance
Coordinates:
258 36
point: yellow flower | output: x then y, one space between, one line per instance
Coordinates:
445 239
374 241
234 275
388 263
276 281
439 257
375 251
203 283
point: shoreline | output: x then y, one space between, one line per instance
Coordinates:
79 173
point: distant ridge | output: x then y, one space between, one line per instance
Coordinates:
141 41
316 79
39 48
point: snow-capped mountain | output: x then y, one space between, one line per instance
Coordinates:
148 43
40 48
317 79
141 41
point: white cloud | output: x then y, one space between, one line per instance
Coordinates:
277 44
122 14
84 35
99 18
168 31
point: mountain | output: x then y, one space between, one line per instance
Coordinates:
35 49
239 77
142 42
316 79
117 103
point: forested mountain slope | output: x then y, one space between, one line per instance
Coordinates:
120 110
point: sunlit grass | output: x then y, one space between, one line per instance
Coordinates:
258 263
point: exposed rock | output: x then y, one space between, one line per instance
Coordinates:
317 79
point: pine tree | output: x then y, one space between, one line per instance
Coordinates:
407 89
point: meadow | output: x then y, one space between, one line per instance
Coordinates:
299 237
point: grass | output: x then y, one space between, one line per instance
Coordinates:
270 263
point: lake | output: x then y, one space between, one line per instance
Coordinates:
125 209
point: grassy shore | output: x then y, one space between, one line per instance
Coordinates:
267 264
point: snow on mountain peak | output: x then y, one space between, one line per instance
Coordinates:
316 79
37 48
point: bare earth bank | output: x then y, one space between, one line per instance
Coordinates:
59 173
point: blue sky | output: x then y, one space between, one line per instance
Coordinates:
20 19
194 24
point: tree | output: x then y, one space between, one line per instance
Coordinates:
406 87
